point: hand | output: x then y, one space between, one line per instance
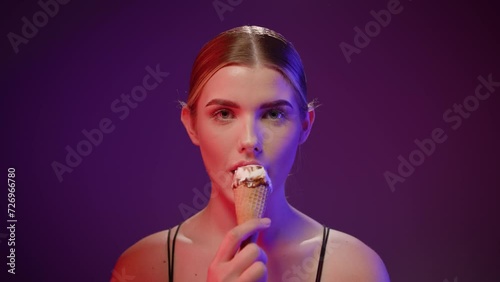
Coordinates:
245 265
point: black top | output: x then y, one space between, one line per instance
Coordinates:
326 232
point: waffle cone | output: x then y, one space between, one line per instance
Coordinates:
250 202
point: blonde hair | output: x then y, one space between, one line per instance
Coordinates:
248 46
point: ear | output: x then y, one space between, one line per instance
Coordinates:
187 120
307 124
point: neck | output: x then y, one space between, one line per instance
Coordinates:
284 219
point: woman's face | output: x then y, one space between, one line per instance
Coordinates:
247 115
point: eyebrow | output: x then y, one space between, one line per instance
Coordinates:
231 104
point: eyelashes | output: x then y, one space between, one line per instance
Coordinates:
225 115
222 115
275 114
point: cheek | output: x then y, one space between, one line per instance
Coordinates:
281 155
214 143
215 146
282 144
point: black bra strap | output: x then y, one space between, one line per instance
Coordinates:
171 255
326 233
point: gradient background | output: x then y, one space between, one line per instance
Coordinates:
441 223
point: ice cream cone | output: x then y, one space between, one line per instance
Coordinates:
251 187
250 202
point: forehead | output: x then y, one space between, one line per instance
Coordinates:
247 85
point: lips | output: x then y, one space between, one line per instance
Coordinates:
243 163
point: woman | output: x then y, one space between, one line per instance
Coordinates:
247 105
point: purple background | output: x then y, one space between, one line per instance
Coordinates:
441 223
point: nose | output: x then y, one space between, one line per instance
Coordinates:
250 142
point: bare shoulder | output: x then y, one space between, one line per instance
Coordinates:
349 259
146 260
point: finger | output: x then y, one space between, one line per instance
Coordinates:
251 239
247 256
256 272
232 241
235 236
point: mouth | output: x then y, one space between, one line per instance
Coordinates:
244 163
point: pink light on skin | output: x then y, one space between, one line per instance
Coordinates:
237 111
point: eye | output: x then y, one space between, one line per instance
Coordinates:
223 114
275 114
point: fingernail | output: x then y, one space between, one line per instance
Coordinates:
266 221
